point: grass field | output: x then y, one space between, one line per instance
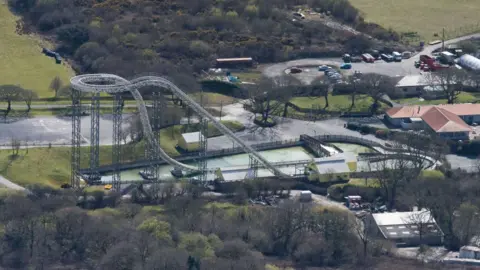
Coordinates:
21 60
464 97
425 17
51 166
335 103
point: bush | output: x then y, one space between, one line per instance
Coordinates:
471 148
340 191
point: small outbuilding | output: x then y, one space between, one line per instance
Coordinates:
407 229
190 141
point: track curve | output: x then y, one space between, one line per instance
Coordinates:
109 83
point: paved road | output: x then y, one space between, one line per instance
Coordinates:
406 67
54 130
8 184
61 106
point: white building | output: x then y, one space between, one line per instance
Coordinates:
470 62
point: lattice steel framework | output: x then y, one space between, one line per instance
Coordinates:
95 132
95 83
253 164
158 108
202 149
202 154
117 140
76 138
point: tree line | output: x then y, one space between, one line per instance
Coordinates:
181 37
177 228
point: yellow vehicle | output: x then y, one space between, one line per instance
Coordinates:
108 187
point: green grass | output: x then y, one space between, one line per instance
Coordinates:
51 166
464 97
21 60
213 99
335 103
425 17
248 76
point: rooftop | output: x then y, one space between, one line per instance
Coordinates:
418 110
442 120
234 59
332 166
413 80
191 137
406 224
402 218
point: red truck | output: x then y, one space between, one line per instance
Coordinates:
431 63
368 58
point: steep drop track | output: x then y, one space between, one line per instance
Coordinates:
109 83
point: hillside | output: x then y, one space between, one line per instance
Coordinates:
180 36
21 61
425 18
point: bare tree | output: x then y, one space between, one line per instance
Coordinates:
321 88
375 86
392 174
420 223
466 223
10 93
353 81
15 144
270 96
56 85
28 96
449 80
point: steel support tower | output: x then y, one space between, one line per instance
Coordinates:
150 153
76 138
116 147
202 150
202 154
95 132
253 168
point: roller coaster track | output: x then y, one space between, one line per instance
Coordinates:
109 83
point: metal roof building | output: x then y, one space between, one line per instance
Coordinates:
469 62
408 228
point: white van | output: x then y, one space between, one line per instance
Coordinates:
397 57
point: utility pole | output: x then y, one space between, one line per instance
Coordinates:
443 39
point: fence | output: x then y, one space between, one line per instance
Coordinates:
194 155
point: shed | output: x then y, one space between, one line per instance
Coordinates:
469 252
407 228
190 141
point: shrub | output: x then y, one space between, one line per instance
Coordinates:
353 126
339 191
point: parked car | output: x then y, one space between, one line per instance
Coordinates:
347 58
346 66
323 68
356 59
295 70
298 14
328 71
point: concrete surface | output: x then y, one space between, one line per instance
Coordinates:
9 184
54 130
393 69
